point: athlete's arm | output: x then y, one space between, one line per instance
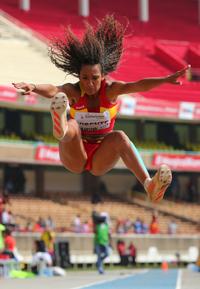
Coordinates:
46 90
118 88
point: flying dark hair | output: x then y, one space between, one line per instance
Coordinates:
101 45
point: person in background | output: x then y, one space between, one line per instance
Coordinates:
41 260
49 223
77 224
145 227
172 227
121 249
132 253
10 248
137 226
101 239
154 226
2 229
48 236
9 241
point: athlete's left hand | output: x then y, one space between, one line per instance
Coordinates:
173 78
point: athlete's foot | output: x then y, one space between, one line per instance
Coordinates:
58 110
157 186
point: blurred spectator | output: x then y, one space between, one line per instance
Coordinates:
42 222
154 226
8 220
10 246
48 236
85 227
121 249
49 223
2 229
5 217
132 254
9 241
12 220
172 227
120 226
29 226
107 218
178 259
41 260
127 225
137 226
102 238
145 227
77 225
6 198
37 227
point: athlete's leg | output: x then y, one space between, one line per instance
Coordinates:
116 145
71 149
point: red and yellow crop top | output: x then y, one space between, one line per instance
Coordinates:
99 120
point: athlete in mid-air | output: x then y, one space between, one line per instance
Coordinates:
87 140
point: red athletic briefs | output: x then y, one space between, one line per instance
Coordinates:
90 149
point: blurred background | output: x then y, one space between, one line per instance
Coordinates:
38 195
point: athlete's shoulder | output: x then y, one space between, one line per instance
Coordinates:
72 90
113 89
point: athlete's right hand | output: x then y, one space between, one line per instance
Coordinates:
24 88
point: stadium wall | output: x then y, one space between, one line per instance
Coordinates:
82 244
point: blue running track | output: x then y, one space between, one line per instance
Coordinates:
151 279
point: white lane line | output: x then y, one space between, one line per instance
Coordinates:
179 279
111 280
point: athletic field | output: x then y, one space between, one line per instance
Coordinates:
122 279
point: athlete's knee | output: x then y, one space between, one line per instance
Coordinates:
75 125
74 169
73 132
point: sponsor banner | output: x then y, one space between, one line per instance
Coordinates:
197 111
127 105
157 108
8 94
45 153
186 110
139 106
180 162
30 99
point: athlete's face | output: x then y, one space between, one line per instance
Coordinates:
90 79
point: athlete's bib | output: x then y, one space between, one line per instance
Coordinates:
92 121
